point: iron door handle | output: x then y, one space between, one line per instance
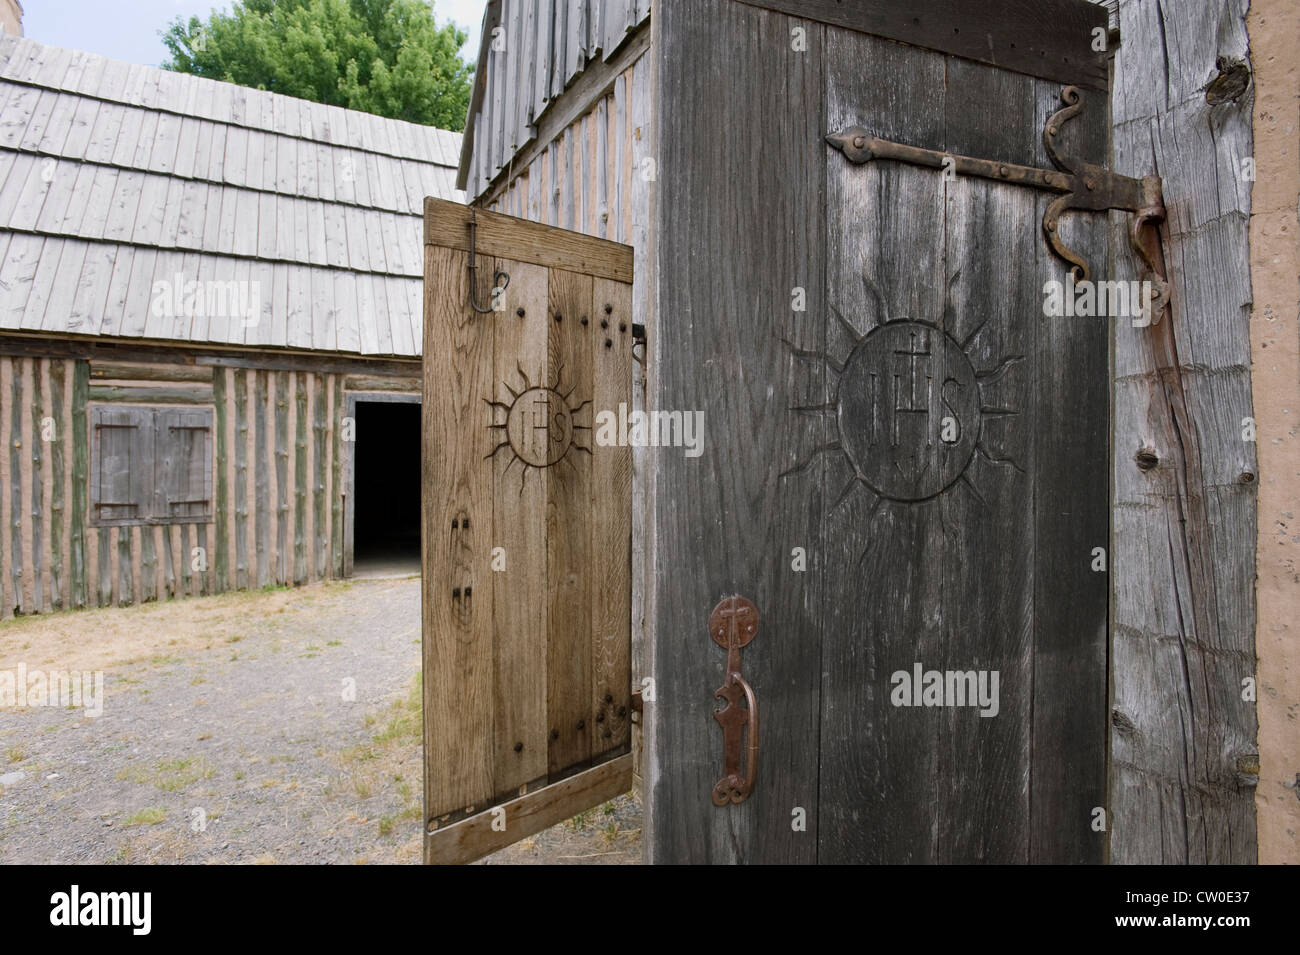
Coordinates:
732 625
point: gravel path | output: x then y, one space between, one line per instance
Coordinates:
279 727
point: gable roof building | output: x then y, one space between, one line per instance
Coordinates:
210 332
115 177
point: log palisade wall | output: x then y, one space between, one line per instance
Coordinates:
279 480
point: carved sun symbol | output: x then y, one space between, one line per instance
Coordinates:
909 405
540 426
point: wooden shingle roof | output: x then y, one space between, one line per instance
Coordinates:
115 177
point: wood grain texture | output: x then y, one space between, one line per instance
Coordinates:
476 836
512 523
518 592
82 562
1051 39
723 522
568 545
611 523
447 225
458 684
8 594
1182 748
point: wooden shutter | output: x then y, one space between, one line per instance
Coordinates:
527 697
184 455
121 465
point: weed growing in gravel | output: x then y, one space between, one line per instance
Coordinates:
150 816
170 775
16 754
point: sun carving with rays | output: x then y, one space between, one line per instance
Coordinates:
540 426
908 404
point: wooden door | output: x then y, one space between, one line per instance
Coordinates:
907 466
526 530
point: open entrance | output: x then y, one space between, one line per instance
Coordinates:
385 504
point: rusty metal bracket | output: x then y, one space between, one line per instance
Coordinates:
499 280
1083 186
732 625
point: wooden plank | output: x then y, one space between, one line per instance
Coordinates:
283 464
46 426
1051 39
106 549
191 395
447 226
726 522
458 728
610 523
178 562
147 371
261 452
329 510
319 477
223 558
477 836
124 576
29 473
60 551
340 487
309 474
189 539
8 595
237 450
298 474
518 591
568 496
83 563
143 543
1071 605
372 383
156 535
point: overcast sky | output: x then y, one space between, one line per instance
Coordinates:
128 30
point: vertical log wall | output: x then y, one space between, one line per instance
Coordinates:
1183 752
279 479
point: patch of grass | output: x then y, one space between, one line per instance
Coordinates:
386 825
162 659
610 833
16 754
580 821
149 816
334 643
170 775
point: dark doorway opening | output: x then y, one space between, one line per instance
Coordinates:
386 489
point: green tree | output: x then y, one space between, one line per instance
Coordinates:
382 56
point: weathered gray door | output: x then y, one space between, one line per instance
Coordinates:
906 461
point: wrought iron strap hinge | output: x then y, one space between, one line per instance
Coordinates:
1082 185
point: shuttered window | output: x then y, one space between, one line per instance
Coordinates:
150 465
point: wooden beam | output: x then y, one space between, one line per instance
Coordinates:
446 224
201 355
475 837
1050 39
177 395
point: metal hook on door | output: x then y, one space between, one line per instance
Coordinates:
732 625
500 279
